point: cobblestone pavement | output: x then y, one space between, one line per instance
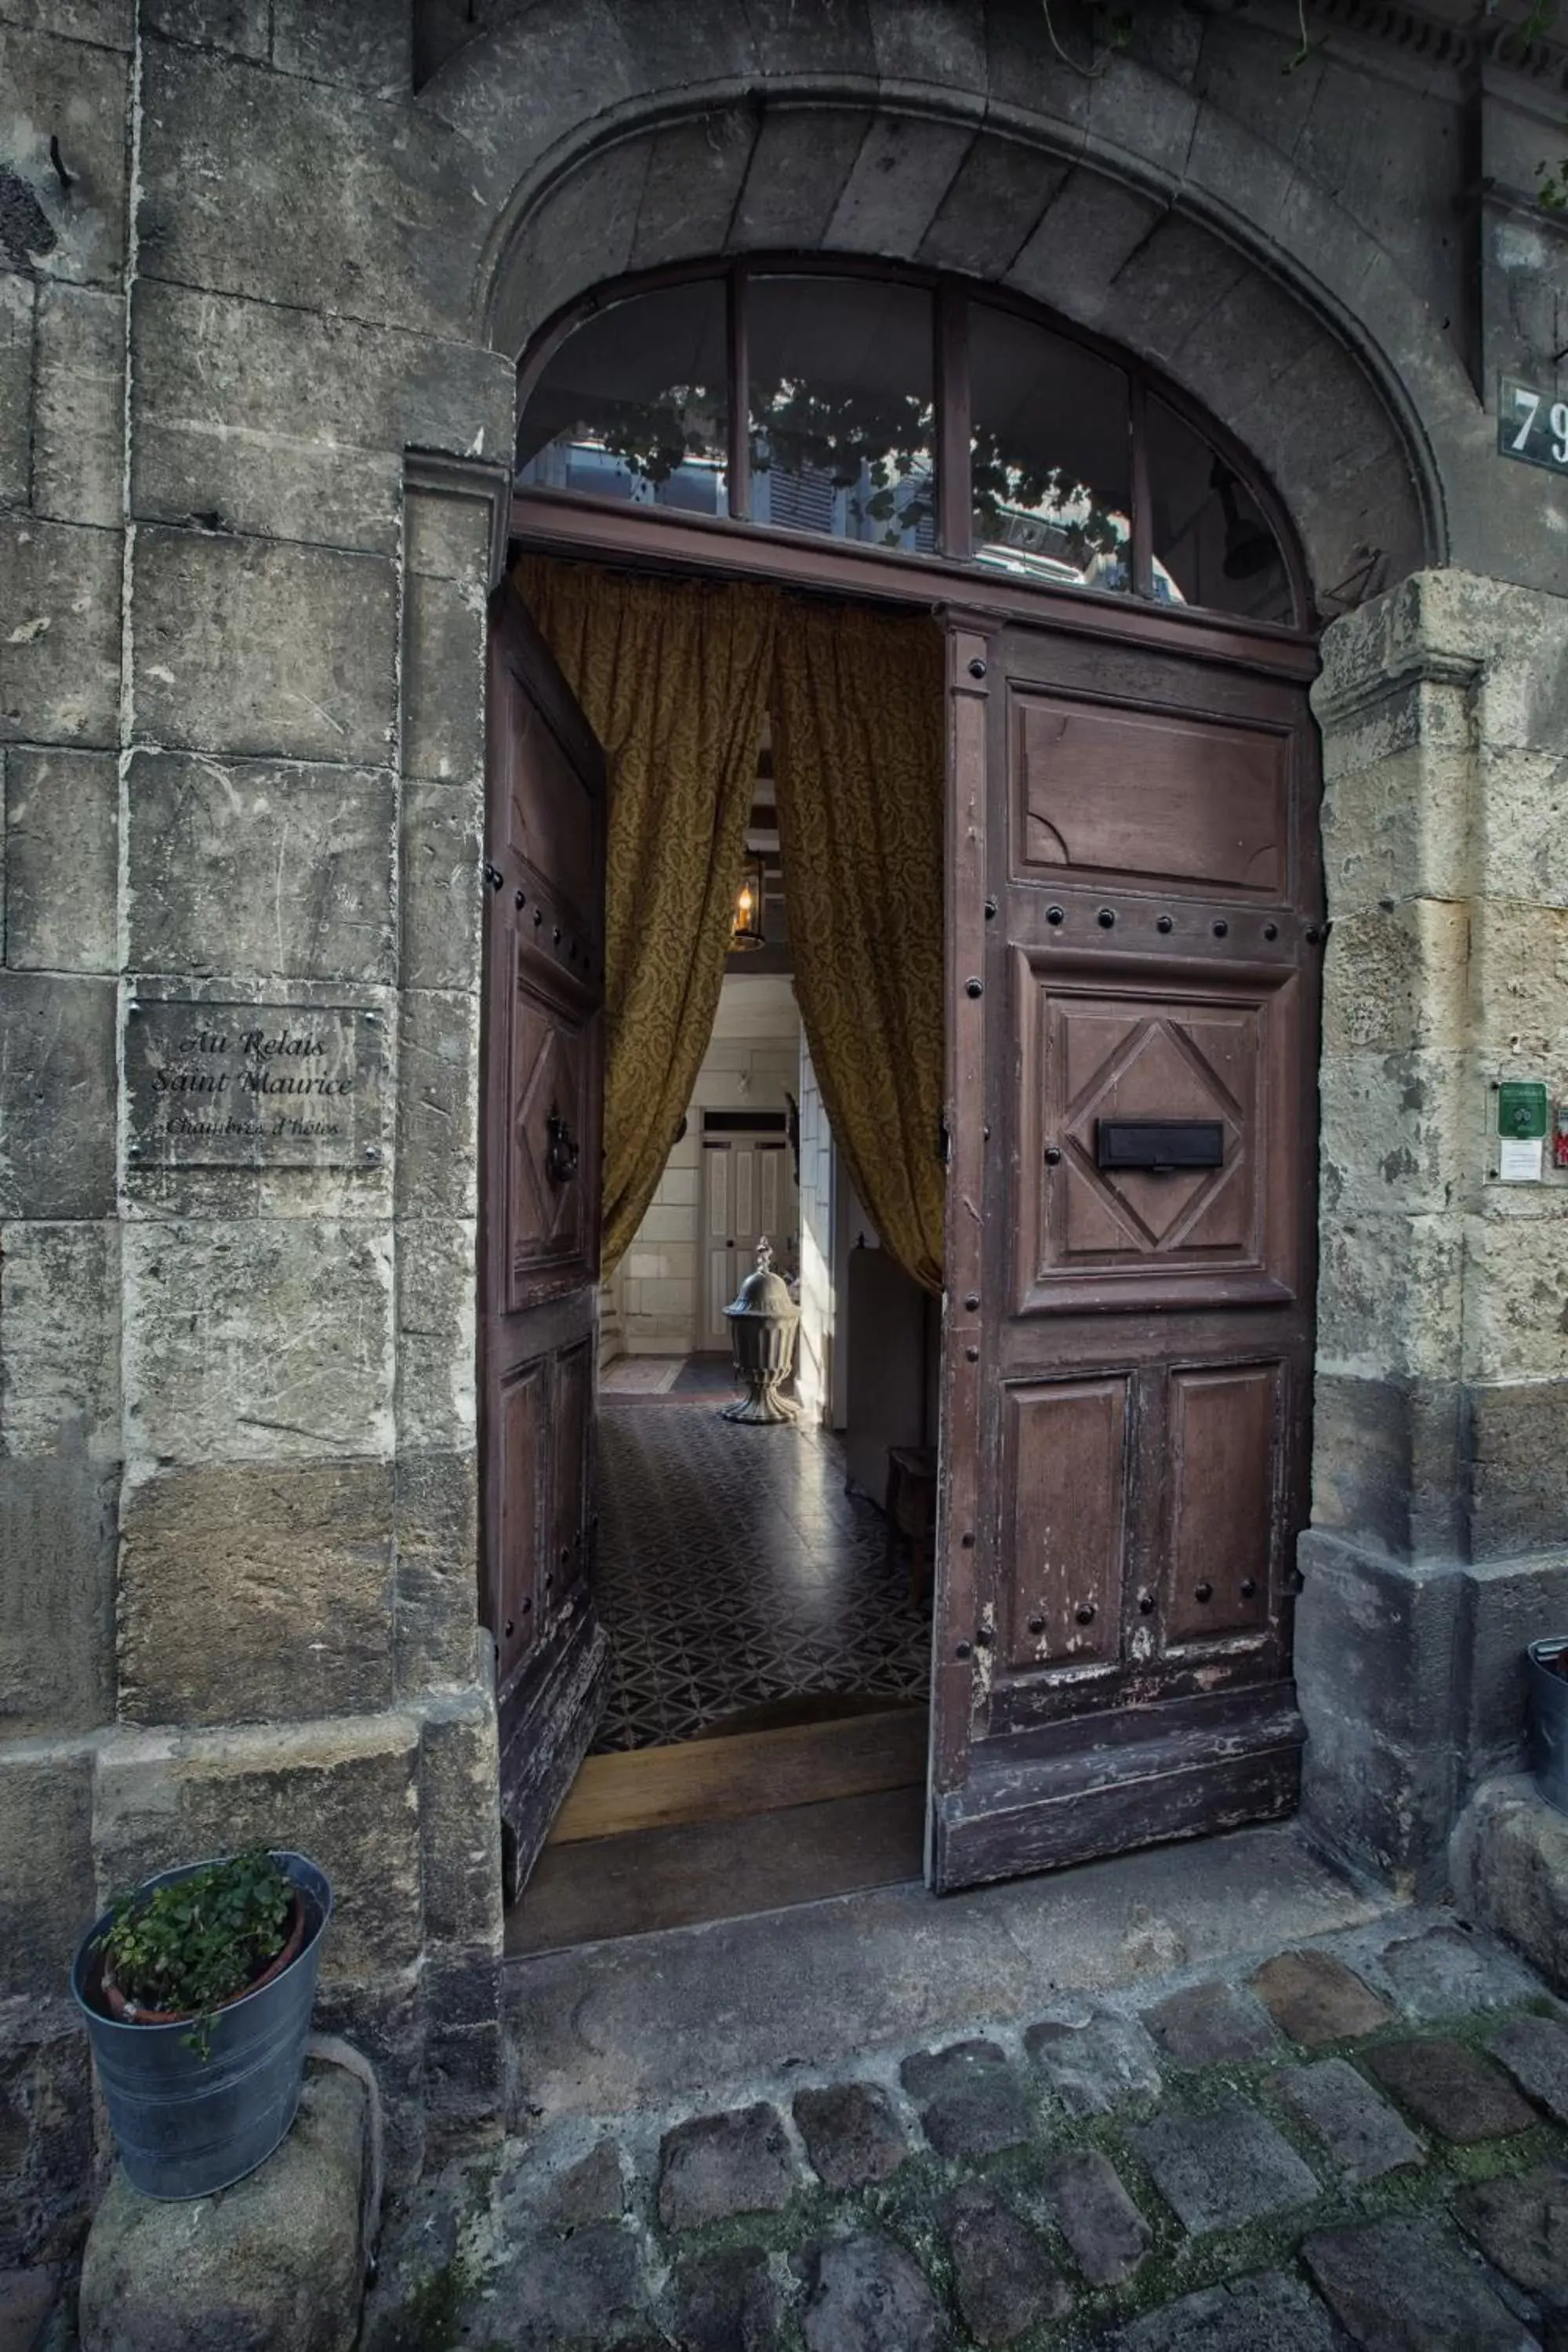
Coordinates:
1362 2142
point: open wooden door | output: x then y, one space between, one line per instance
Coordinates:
1133 922
540 1194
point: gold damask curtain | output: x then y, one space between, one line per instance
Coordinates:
673 676
859 764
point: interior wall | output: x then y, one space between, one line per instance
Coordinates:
752 1062
815 1348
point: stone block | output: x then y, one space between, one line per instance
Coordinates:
1212 2024
343 1791
932 48
990 207
1391 1293
1107 2234
444 679
1506 1604
1519 969
586 2289
868 2295
592 2189
1519 809
1221 2166
1315 1999
1269 2308
46 1892
1404 2282
905 167
278 2259
716 2166
439 902
76 92
1535 2052
437 1291
437 1105
1445 1971
1178 276
271 1340
17 304
1004 2280
1510 1862
324 838
799 166
1447 2088
59 630
57 1597
438 1576
256 1592
345 221
1375 1680
1096 2065
57 1096
1398 804
78 422
726 2299
695 172
1521 2227
459 1771
253 648
61 861
59 1341
448 524
1361 2132
367 47
970 2100
1388 1463
579 233
291 425
46 2147
243 27
1089 230
1519 1503
852 2134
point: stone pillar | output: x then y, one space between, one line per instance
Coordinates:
1439 1536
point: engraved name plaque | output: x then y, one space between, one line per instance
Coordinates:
253 1086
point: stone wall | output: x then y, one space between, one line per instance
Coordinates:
1440 1512
260 306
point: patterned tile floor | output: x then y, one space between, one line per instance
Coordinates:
735 1572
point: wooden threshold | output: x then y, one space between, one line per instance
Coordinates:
727 1779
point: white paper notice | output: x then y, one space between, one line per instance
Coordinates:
1519 1161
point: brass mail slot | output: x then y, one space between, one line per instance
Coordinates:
1160 1145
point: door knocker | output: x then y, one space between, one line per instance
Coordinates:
560 1150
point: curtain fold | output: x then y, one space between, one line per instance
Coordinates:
858 765
673 676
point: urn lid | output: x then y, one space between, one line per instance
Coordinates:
763 1292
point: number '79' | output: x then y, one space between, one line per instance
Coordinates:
1528 405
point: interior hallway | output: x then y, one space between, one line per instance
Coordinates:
735 1574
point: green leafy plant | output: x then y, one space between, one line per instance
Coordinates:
193 1945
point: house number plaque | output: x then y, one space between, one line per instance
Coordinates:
1532 424
252 1086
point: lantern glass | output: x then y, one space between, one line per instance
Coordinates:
746 928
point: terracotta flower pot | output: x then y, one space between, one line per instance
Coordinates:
117 2005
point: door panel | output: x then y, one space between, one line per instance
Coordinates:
1134 922
543 1085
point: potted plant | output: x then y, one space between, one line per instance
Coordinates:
1546 1713
198 1988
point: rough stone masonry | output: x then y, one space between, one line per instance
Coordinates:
265 274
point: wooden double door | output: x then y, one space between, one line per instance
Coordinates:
1133 927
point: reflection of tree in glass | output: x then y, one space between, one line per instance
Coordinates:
857 437
1002 490
652 438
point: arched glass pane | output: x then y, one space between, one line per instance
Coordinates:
842 409
1212 545
634 404
1052 455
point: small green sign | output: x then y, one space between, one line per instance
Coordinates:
1521 1112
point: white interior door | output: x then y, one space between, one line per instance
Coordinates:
748 1190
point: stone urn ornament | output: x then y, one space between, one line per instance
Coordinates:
762 1322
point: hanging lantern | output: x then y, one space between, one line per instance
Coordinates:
746 929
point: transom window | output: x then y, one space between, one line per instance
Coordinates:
898 413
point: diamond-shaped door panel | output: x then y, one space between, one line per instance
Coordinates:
1188 1052
551 1154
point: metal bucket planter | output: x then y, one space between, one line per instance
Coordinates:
1546 1719
185 2124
